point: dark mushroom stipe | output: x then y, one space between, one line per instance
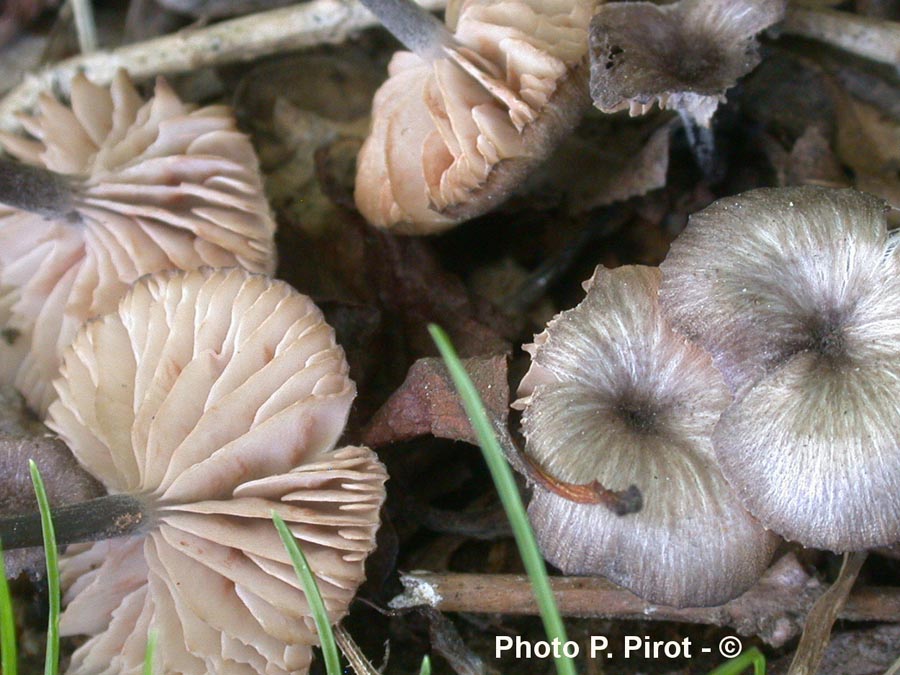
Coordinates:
702 142
621 502
94 520
37 190
420 31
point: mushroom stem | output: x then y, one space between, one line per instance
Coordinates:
85 26
37 190
621 502
702 142
101 518
420 31
602 223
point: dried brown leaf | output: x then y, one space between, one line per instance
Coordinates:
608 160
868 141
813 162
414 288
427 402
299 105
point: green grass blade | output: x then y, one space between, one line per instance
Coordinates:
425 668
150 653
8 656
313 596
51 663
740 663
509 496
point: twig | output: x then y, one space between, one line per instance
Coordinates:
894 669
304 25
354 655
874 39
774 609
822 616
85 26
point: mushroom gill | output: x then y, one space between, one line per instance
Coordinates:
216 398
615 396
113 188
458 124
796 294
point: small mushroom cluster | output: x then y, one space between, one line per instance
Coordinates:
796 294
749 387
135 315
110 189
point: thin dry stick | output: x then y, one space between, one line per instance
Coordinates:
823 615
304 25
874 39
773 609
894 669
352 652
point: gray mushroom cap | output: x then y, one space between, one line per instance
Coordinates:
614 395
216 397
682 56
796 294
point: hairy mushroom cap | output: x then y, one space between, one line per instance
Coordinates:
614 395
156 185
454 135
682 56
218 397
796 293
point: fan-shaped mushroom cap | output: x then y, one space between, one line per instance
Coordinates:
160 185
218 396
683 56
796 293
614 395
452 138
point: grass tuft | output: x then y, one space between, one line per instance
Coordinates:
313 596
509 497
150 653
51 660
9 661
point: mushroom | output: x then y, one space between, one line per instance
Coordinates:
683 56
461 121
615 396
111 189
213 398
795 292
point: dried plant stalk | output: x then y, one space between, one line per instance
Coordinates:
773 609
244 39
